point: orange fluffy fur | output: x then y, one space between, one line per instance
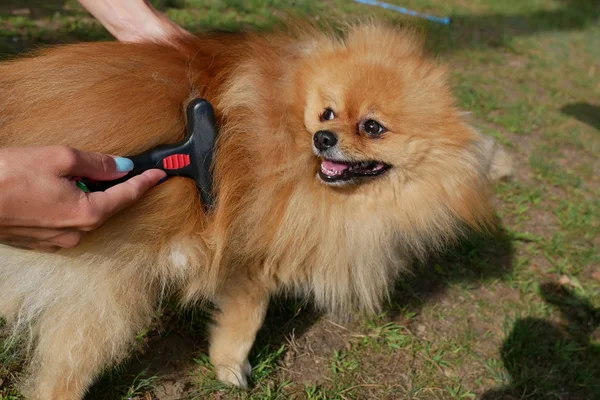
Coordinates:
276 226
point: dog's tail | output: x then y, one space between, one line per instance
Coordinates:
499 163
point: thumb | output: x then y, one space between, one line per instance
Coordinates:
123 195
98 166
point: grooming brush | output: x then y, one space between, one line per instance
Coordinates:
192 157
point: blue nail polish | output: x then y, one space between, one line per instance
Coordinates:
123 164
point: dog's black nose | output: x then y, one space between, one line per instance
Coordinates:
325 140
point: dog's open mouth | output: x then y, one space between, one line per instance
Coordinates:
343 171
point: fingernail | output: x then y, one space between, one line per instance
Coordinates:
123 164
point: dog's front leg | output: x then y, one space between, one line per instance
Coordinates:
242 308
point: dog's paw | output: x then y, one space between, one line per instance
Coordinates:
236 375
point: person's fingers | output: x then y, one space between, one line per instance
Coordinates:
102 205
72 162
33 233
65 238
31 245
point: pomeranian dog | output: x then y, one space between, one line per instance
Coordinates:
341 157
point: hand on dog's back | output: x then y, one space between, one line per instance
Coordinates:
42 208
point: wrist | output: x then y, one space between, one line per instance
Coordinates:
133 20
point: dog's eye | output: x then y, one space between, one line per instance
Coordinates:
327 115
373 128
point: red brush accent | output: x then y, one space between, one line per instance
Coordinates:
176 161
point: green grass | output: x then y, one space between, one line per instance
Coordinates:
512 316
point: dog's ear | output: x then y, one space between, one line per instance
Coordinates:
380 38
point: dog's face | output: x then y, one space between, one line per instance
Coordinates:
351 123
376 107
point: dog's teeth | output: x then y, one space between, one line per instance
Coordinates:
330 172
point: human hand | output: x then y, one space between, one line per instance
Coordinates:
134 20
42 208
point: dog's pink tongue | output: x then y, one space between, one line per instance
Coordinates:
334 166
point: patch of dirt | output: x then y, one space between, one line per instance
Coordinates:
172 390
307 357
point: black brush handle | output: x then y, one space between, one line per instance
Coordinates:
202 141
